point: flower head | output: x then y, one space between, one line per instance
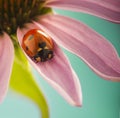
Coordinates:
40 33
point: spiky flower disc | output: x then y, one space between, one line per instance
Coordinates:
14 13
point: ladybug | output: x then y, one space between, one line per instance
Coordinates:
38 45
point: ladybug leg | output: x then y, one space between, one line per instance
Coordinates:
50 55
37 58
39 49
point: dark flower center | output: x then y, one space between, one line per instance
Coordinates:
14 13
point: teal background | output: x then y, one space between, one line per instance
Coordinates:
101 98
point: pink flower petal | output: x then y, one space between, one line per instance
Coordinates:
91 47
106 9
58 73
6 61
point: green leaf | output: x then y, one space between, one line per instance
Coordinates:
23 82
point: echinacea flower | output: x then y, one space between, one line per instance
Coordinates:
34 20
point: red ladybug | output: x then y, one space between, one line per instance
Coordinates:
38 45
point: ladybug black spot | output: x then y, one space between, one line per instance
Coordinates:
42 45
27 48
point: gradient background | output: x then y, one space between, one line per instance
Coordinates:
101 98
